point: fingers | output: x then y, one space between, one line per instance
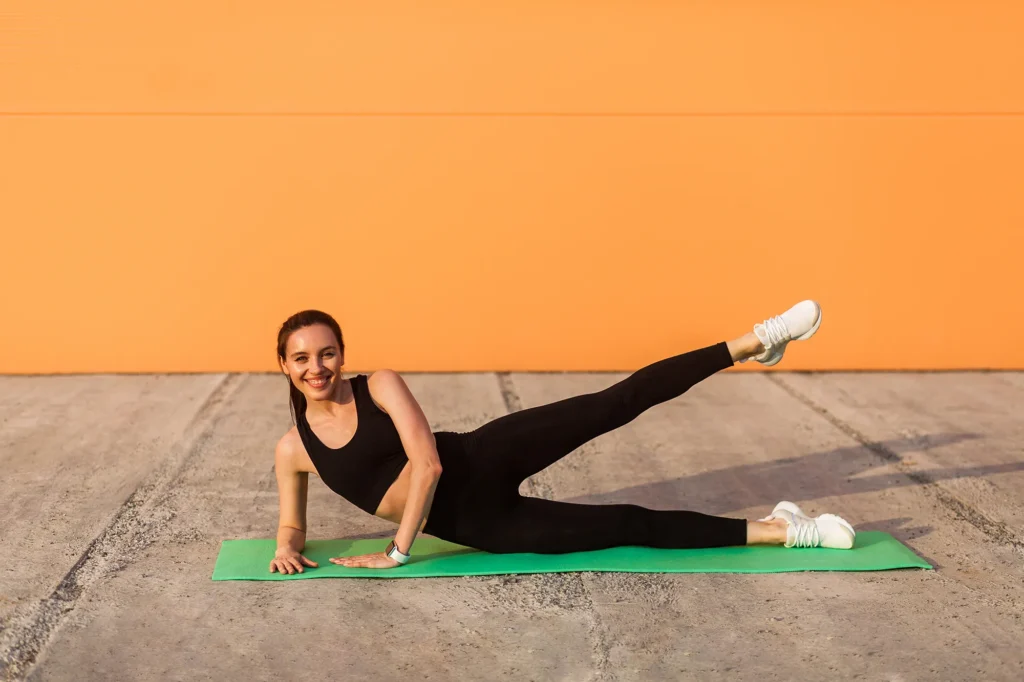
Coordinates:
289 565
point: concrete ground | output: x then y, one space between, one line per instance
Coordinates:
116 492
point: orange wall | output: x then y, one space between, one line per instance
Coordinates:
514 185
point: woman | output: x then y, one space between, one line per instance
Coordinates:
369 441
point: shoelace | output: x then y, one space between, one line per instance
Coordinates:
776 331
806 532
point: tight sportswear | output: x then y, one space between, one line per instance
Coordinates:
477 501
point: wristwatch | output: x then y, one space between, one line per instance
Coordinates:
396 554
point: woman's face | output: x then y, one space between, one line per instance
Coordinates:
312 354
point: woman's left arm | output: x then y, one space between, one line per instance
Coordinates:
422 485
390 391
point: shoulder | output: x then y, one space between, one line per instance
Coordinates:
387 387
289 447
290 455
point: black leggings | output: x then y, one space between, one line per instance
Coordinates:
477 501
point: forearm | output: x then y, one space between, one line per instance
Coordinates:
422 484
293 538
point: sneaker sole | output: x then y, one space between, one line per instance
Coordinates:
809 333
843 522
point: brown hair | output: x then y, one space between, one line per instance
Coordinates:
300 320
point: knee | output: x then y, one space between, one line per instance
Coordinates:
490 544
636 522
621 405
486 538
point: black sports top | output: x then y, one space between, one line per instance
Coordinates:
363 469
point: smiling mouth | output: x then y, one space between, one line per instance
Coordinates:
320 383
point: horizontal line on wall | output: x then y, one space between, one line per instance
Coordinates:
482 114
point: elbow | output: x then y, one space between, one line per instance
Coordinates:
429 470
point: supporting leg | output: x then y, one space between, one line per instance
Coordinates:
552 527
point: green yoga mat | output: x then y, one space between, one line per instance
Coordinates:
433 557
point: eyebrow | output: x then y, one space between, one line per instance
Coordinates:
302 352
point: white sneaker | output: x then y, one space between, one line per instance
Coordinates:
796 324
788 506
827 530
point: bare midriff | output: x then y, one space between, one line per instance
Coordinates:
392 505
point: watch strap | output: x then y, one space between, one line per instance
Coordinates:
393 552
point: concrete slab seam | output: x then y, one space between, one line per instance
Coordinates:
536 487
130 530
996 530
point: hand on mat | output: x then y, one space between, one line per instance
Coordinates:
290 562
375 560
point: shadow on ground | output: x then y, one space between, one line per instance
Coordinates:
832 473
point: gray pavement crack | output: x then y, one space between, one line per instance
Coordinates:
132 528
996 530
537 487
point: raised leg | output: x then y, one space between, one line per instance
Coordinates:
745 347
518 445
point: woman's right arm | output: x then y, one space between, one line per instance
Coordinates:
292 486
